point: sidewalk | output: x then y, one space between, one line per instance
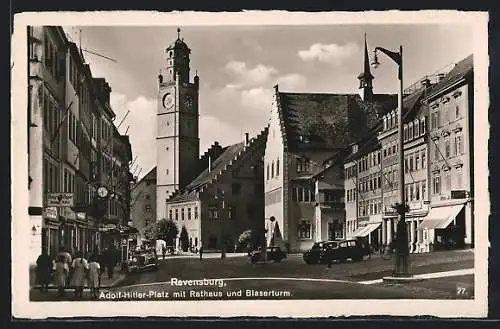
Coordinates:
106 282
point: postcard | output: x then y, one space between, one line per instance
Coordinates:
288 164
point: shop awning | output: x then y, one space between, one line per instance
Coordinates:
368 229
357 232
440 217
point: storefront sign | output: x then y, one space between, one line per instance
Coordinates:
50 212
60 199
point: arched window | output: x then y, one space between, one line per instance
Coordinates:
272 169
277 167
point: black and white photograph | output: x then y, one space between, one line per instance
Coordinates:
268 163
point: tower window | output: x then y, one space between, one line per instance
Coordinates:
170 54
167 171
167 148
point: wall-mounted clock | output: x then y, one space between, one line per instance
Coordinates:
102 192
168 101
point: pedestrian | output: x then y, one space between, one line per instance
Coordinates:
80 267
110 262
67 258
43 270
163 251
61 274
94 276
201 252
102 260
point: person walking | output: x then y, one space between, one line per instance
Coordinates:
201 251
44 267
80 267
163 251
67 258
110 262
94 276
61 274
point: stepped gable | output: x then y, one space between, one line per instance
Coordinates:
220 166
213 153
314 120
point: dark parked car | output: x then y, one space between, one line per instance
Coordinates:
143 260
317 252
273 253
346 249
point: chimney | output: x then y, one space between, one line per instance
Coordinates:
209 163
246 139
425 83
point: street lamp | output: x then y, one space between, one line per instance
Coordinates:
220 196
401 243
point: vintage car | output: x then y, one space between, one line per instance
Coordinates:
142 260
317 252
346 249
273 253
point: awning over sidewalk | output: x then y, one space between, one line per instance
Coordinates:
367 230
440 217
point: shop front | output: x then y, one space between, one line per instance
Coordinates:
444 228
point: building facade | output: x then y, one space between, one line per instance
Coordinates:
66 153
434 152
225 200
178 144
309 135
143 204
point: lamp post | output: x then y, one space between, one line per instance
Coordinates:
220 196
402 251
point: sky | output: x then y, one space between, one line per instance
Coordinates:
238 67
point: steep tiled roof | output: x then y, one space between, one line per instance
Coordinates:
326 120
461 69
151 175
218 167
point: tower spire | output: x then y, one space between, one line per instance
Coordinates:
178 33
366 77
367 72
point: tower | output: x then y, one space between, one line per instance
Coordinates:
177 141
366 78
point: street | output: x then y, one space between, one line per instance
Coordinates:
449 277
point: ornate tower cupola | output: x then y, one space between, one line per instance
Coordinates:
178 60
366 77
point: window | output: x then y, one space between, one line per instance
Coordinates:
417 191
411 162
268 172
424 160
170 214
305 229
189 213
423 128
436 183
447 180
182 213
436 151
213 213
459 144
306 194
457 112
406 164
417 161
302 165
272 169
417 128
148 197
277 167
410 131
230 211
434 120
300 194
176 214
236 188
424 187
195 212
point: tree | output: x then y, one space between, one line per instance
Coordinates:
184 238
166 230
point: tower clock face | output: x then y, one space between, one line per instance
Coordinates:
188 102
168 101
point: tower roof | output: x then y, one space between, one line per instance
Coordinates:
366 74
179 43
